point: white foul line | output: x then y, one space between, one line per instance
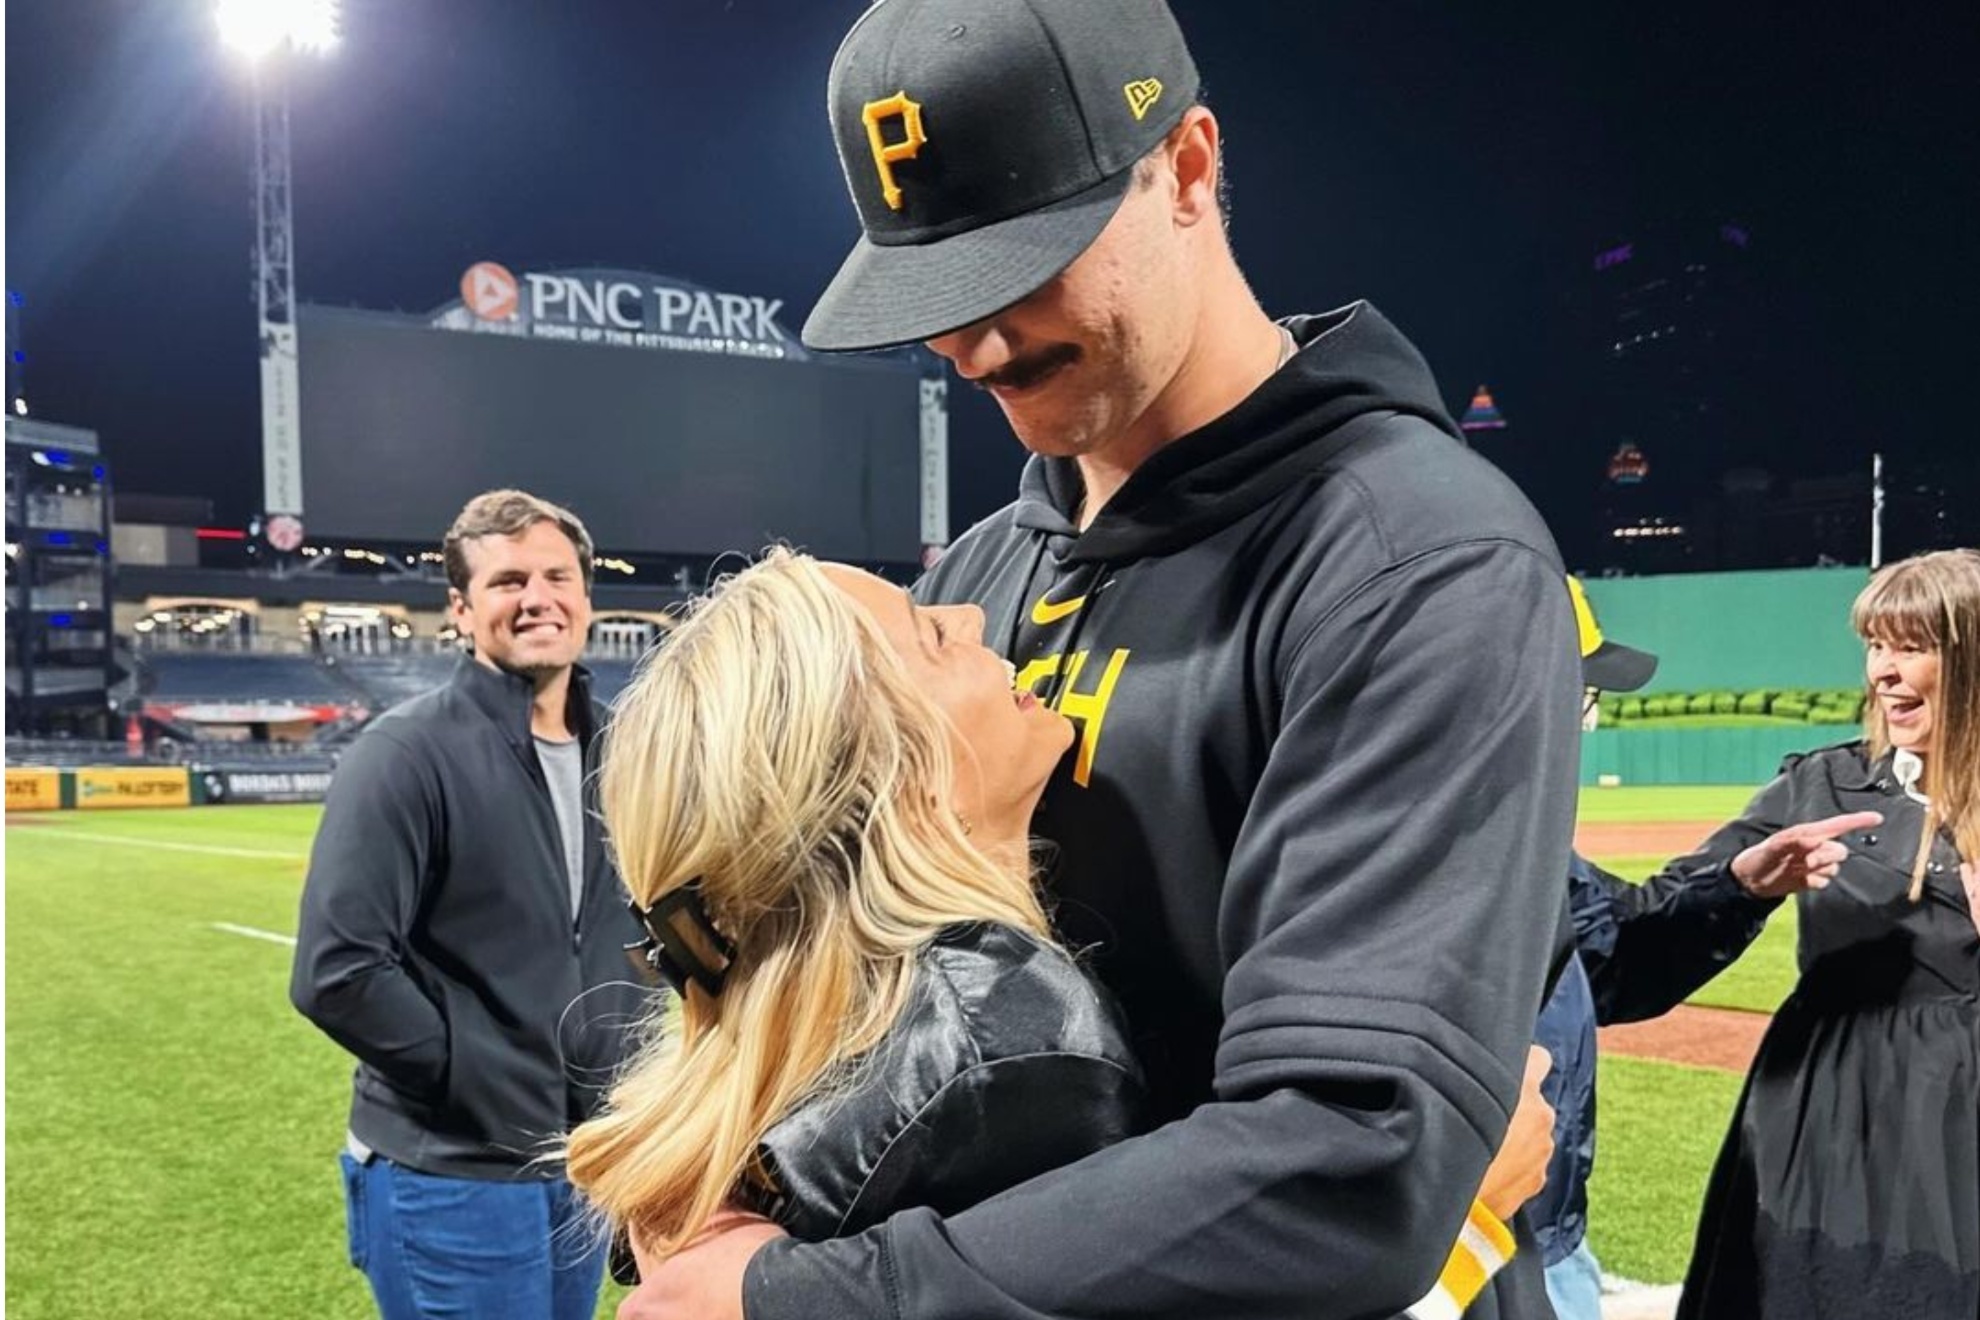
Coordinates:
90 836
253 934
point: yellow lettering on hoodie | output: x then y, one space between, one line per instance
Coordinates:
1088 710
1032 675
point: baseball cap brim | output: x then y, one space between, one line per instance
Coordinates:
1614 667
888 295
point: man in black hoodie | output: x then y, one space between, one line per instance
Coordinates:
1325 676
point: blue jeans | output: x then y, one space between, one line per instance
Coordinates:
434 1247
1575 1285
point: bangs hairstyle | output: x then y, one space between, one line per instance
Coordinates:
774 751
1932 601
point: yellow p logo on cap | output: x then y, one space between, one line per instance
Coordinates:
886 154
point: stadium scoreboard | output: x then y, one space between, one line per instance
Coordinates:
709 431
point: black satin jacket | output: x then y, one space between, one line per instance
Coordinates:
1008 1061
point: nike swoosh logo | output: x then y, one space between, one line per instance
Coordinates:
1045 612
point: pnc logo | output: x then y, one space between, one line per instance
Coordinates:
489 291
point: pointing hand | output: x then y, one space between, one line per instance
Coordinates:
1804 856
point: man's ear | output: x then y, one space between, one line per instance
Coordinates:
1193 156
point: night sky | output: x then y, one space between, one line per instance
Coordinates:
1459 164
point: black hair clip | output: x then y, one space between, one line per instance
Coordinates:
681 943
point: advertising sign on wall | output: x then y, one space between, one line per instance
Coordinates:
238 786
34 790
131 786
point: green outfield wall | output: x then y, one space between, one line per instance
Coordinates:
1784 628
1725 632
1633 757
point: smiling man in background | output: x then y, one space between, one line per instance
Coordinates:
459 902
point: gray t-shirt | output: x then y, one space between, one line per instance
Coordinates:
563 766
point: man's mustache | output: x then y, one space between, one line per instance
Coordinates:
1026 372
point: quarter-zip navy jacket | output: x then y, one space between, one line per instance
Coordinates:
437 943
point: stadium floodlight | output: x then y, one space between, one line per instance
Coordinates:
264 31
256 28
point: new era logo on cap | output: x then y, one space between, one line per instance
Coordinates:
986 144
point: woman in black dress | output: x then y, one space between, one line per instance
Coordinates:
819 794
1849 1185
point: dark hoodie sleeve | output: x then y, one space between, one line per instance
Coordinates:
371 849
1388 918
1649 946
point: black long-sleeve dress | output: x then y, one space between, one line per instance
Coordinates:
1849 1185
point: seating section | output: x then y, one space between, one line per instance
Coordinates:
70 752
387 680
219 676
367 684
221 754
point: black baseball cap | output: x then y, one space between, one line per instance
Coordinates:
1608 665
987 143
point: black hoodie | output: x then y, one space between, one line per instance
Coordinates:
1325 674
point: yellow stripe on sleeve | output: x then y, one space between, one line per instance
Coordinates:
1483 1247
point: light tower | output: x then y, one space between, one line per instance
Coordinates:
267 33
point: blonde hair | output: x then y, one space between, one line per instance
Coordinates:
1933 601
775 751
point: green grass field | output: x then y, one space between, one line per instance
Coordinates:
1660 802
1657 1133
172 1124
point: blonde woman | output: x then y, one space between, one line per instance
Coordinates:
819 795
